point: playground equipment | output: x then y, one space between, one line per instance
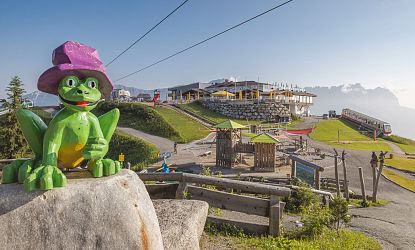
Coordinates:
156 98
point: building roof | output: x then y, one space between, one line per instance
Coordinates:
264 138
231 84
143 95
197 90
228 124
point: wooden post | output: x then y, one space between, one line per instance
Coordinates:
274 220
317 179
336 172
362 183
293 169
382 161
181 189
345 184
374 165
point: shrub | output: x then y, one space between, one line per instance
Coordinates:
299 199
315 218
138 152
339 211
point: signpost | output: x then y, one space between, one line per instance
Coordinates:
306 171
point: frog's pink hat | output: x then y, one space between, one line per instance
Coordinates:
73 58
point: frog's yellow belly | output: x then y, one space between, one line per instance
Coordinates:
70 156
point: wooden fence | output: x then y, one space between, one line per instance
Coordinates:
244 148
194 187
330 184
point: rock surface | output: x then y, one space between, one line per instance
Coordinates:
181 222
90 213
250 110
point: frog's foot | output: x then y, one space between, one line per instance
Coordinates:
45 178
104 167
11 172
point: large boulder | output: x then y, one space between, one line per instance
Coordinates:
181 222
90 213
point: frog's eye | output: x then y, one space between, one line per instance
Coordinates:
92 83
71 82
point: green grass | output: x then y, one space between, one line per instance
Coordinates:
399 179
401 163
406 148
329 239
188 129
295 122
138 152
141 117
350 138
407 145
358 203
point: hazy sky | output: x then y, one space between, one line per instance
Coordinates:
320 42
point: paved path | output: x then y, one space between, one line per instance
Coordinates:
394 224
187 154
163 144
395 148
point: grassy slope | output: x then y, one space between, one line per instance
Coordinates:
407 145
326 131
141 117
329 240
399 179
188 129
401 163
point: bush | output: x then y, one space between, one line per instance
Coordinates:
300 199
315 218
138 152
339 209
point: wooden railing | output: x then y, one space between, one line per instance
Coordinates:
194 186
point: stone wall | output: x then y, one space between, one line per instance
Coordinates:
250 110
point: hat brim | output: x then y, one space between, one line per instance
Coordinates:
49 81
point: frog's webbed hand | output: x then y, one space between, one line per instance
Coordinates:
45 177
95 148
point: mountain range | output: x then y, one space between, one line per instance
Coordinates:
378 102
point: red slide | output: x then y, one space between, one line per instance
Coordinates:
299 131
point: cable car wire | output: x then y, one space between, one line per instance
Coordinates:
203 41
145 34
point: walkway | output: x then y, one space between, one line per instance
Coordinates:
395 148
163 144
187 154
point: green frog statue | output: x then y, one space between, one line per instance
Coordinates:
75 136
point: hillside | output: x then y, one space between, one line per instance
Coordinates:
341 134
141 117
378 102
158 121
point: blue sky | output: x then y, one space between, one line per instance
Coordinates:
320 42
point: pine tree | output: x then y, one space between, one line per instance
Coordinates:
15 145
